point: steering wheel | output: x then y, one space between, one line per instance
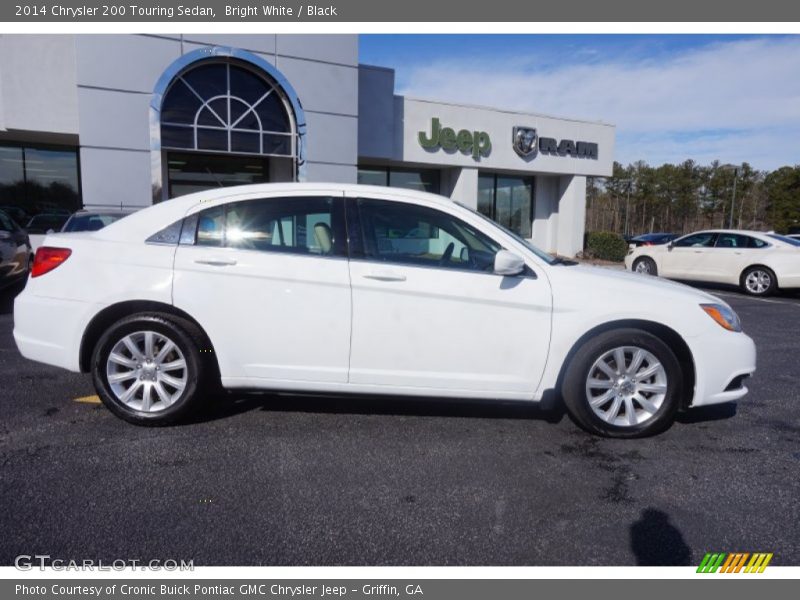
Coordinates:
448 253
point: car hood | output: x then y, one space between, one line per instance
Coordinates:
624 282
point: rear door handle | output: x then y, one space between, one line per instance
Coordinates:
385 276
216 262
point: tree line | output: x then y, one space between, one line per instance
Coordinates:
686 197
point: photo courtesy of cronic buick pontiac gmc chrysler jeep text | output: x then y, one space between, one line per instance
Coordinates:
344 288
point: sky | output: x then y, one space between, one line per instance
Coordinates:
672 97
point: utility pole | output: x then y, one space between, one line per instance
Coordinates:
628 206
733 199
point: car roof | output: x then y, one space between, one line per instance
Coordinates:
140 223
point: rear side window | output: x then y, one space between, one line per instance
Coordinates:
295 225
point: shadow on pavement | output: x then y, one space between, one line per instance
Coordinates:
657 542
238 403
715 412
7 296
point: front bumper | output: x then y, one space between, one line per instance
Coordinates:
721 360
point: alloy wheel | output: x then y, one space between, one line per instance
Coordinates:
626 386
147 371
757 281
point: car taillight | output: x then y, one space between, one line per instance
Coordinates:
47 259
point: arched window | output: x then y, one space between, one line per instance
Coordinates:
224 106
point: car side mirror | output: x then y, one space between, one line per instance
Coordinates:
670 246
508 264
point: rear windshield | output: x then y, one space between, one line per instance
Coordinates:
783 238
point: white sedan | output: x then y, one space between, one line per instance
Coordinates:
760 263
351 289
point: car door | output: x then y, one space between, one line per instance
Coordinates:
268 280
688 257
724 261
429 314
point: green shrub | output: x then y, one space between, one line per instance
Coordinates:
606 246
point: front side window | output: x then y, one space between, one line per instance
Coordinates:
696 240
311 226
414 235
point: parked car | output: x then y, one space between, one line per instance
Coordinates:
760 263
355 289
18 214
16 255
652 239
93 220
40 225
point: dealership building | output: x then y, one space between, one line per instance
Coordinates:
128 120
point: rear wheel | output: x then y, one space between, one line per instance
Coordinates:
148 370
624 383
645 265
758 281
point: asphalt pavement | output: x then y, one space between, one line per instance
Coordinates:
279 480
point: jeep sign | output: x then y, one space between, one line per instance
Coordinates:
476 143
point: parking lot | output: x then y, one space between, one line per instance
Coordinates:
278 480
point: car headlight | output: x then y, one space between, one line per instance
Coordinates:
723 315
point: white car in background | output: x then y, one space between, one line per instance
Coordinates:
759 263
354 289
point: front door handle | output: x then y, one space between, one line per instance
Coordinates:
385 276
216 262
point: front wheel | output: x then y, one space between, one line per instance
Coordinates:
758 281
147 369
645 266
624 383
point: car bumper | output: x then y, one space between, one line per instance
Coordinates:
723 362
49 330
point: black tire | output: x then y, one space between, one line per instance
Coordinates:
645 265
200 375
755 287
578 371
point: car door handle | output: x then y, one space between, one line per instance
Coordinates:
385 276
216 262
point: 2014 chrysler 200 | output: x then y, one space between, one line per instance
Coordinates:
343 288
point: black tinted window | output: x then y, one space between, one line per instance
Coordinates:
732 240
312 225
416 235
696 240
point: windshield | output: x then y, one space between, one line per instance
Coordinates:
784 239
91 221
550 260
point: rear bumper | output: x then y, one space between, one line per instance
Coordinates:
721 360
49 330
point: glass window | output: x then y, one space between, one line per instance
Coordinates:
422 180
6 224
312 225
507 200
368 176
226 107
38 180
194 172
211 227
696 240
784 239
400 233
732 240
